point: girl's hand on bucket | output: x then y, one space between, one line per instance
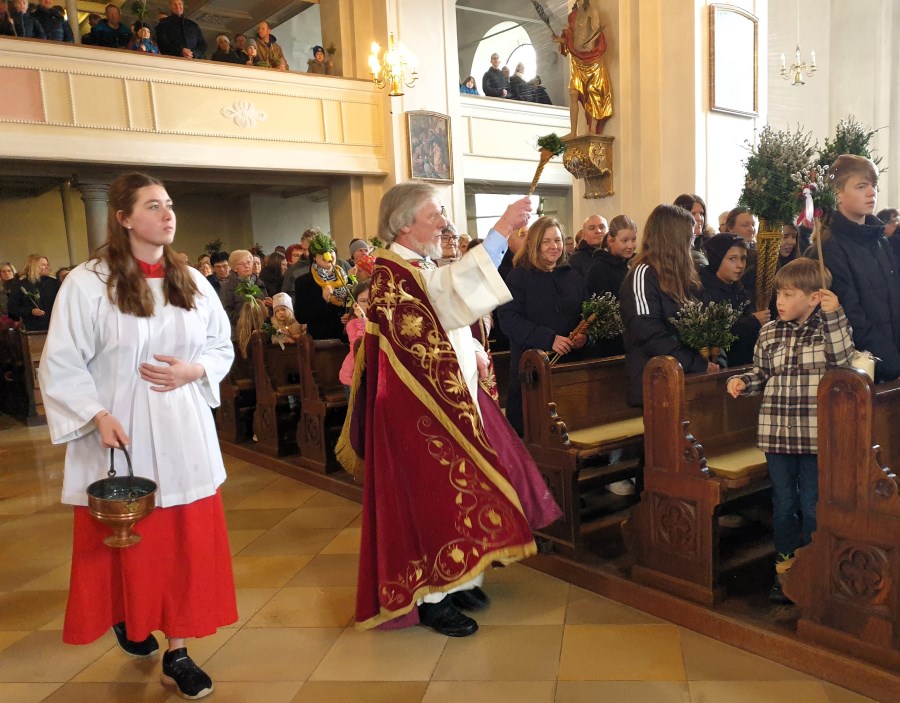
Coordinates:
112 434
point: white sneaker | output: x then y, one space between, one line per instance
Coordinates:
622 488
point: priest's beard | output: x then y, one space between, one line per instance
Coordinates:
434 251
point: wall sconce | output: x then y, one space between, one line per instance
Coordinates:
397 67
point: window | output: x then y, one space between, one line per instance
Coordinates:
513 44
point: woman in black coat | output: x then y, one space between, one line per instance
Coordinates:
609 268
32 300
546 305
321 296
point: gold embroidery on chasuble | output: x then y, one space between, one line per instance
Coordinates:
486 514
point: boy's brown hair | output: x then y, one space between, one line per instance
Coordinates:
847 165
802 274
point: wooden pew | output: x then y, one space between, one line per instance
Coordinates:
575 416
501 373
32 344
323 405
276 374
234 416
701 461
13 393
847 581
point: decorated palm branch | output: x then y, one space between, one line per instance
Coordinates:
252 316
706 327
601 318
549 146
768 246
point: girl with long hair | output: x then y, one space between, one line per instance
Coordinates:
134 357
662 279
32 299
546 306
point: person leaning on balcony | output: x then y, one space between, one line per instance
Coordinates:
492 83
269 51
245 50
6 23
93 21
24 23
224 52
54 24
319 64
179 36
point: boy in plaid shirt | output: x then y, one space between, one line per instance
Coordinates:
791 356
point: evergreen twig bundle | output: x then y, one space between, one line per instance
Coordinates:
706 325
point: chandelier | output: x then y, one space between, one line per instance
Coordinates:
799 67
397 67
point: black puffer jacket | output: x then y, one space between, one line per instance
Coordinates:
176 32
747 327
55 27
26 25
646 311
607 273
493 83
545 304
866 281
583 258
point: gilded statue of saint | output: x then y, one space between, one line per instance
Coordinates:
584 43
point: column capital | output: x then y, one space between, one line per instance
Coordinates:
93 191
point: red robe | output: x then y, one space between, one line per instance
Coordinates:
438 506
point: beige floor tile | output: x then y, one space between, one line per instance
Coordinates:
56 579
258 519
55 624
328 570
28 503
28 610
836 694
26 692
271 654
332 516
361 692
705 659
502 653
586 608
283 492
323 499
239 539
621 653
266 572
112 692
307 607
526 603
516 573
347 542
490 692
10 637
16 574
249 601
624 692
757 692
41 657
409 654
287 540
252 692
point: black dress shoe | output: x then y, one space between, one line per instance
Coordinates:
470 599
443 617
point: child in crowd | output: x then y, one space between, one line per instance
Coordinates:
859 256
791 356
721 281
356 328
288 329
610 265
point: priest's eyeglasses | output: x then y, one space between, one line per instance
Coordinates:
434 217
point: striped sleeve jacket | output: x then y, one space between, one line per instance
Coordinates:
789 360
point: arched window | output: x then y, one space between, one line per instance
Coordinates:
513 44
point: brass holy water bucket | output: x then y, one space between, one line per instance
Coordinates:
120 501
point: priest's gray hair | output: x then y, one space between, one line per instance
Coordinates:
399 207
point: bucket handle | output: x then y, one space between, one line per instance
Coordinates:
112 469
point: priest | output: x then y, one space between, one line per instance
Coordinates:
449 489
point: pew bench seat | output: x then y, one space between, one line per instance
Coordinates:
598 437
288 389
738 464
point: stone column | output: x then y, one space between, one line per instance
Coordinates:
72 14
94 197
67 220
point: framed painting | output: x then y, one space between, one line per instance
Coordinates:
733 61
430 158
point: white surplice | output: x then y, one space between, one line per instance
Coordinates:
461 293
91 363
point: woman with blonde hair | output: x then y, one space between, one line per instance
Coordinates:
32 300
661 280
134 357
546 306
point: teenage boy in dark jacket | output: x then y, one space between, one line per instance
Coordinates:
862 264
51 20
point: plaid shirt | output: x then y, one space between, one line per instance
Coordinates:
789 360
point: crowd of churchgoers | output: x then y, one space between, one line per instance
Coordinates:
501 83
173 35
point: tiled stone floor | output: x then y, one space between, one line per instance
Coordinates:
295 556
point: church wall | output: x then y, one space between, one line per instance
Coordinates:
278 220
36 226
